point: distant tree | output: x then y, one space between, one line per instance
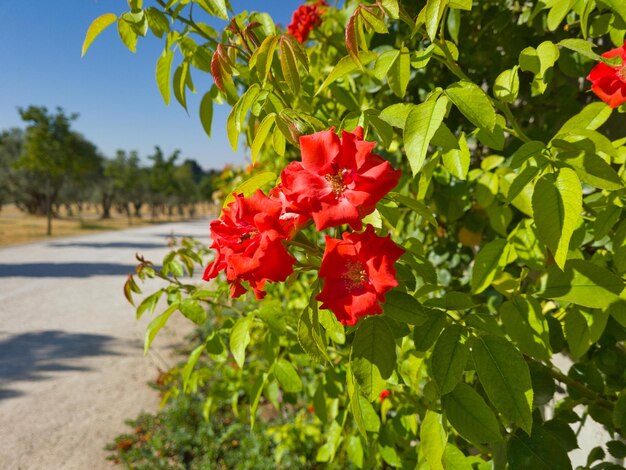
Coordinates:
162 182
11 142
126 183
53 154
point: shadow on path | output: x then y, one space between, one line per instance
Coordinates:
37 356
65 269
138 245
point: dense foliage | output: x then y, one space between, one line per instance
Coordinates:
48 166
509 212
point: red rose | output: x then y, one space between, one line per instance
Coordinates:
357 270
304 19
339 180
609 83
248 239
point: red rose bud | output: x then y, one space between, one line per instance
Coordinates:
304 19
609 83
384 394
339 180
248 240
357 271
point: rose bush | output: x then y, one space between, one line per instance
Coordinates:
490 274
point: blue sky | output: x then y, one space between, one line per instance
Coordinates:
113 90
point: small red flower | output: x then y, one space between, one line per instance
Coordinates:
609 83
339 180
357 270
384 394
248 240
304 19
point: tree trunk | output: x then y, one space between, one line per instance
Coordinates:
137 206
107 201
49 209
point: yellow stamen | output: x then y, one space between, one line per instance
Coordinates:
336 183
355 275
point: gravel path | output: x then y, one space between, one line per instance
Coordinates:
71 362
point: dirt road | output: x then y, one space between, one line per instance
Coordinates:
71 362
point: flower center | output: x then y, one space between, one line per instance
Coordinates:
621 73
354 275
336 183
248 236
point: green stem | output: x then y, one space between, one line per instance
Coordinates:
580 388
504 107
188 22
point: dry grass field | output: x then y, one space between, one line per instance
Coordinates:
17 227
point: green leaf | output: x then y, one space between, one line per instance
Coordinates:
605 221
557 208
421 124
289 67
345 66
506 86
206 112
526 151
416 206
489 261
594 170
355 403
396 114
127 34
457 161
460 4
155 325
163 71
557 13
584 48
451 301
215 7
374 22
287 376
504 375
470 415
149 303
433 439
157 22
354 448
472 101
309 334
189 366
95 28
404 308
449 358
433 12
520 182
373 355
539 61
619 412
334 330
583 283
261 135
251 185
618 6
240 338
576 333
263 57
425 335
180 80
399 72
383 63
193 311
524 322
540 451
